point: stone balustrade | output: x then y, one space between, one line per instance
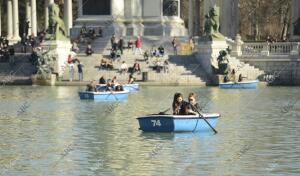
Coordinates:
270 49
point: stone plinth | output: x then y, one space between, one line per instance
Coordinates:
208 52
60 51
43 82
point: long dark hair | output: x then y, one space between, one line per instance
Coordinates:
176 96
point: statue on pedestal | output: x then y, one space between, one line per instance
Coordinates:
212 24
57 30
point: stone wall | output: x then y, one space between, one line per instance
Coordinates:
280 70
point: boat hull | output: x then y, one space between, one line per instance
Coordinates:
174 123
104 96
128 87
239 85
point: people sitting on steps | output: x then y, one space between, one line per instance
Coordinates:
136 67
161 50
89 51
123 68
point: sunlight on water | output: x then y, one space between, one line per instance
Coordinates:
50 131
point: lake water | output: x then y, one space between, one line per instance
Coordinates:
50 131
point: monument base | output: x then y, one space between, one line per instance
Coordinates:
208 52
36 80
60 51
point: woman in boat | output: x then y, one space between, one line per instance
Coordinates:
91 87
131 79
102 80
114 81
193 107
109 86
179 105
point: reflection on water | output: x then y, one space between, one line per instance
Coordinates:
57 134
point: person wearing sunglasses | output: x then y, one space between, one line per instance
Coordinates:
192 106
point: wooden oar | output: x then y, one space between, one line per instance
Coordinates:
164 111
201 116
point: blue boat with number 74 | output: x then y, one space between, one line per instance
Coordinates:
178 123
104 96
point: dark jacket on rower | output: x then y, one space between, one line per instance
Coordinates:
194 108
181 108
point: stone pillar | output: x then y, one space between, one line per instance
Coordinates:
33 18
46 14
295 22
79 8
117 8
16 35
68 15
237 46
191 18
9 20
28 15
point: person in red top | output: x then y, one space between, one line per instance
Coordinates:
138 45
70 59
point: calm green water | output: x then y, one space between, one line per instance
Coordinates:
49 131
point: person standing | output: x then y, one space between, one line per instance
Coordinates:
71 71
112 40
11 52
121 45
138 45
80 71
175 45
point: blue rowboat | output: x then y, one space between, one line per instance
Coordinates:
104 96
128 87
177 123
239 85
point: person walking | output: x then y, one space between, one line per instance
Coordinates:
80 71
138 45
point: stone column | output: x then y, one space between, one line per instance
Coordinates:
68 16
117 8
191 18
16 35
33 18
9 20
28 15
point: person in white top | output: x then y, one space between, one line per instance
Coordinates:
123 67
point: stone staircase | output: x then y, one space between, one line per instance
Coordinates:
18 73
245 69
183 69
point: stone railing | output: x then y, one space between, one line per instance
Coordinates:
255 49
268 49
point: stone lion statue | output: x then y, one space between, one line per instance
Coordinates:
212 24
57 28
